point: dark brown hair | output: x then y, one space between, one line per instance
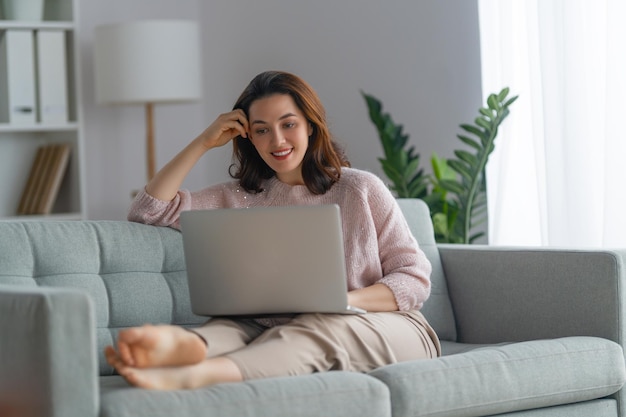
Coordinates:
321 166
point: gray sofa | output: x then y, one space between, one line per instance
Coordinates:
525 332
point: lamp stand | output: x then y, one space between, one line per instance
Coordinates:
150 148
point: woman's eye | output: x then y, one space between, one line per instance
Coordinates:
289 125
261 131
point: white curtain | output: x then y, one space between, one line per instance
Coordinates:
558 174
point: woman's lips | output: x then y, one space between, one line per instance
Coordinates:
282 154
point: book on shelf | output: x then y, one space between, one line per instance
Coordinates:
44 180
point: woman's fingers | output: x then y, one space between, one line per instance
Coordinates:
225 128
243 120
234 129
234 123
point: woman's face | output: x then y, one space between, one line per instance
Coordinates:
280 133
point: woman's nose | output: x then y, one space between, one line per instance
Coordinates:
277 137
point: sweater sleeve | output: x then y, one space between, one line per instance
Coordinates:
406 269
150 210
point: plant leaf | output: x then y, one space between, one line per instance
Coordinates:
473 129
451 186
492 102
510 101
461 168
473 238
485 124
486 112
503 93
470 142
467 157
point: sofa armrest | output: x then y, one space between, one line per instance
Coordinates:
48 362
502 294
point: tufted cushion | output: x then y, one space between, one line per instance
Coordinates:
134 273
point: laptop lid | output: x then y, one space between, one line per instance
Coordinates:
266 260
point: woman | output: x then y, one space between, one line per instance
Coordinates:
285 156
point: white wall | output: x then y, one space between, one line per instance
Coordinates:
420 57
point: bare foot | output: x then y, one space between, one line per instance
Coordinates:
173 378
206 372
158 346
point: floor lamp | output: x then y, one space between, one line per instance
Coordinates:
147 62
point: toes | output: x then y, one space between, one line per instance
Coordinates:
114 360
110 355
132 375
132 335
125 353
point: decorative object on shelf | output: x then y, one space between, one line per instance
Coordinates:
457 196
147 62
45 179
29 10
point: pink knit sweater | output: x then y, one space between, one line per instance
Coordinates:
379 246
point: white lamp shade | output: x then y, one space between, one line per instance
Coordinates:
147 61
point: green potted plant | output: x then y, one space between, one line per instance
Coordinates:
456 190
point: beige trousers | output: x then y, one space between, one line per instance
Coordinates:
321 342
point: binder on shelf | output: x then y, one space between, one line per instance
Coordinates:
17 75
44 180
51 76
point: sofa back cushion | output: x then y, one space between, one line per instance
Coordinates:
438 309
134 273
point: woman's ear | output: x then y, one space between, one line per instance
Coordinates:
310 128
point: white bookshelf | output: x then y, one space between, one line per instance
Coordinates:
19 142
15 24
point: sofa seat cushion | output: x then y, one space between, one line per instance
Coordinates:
506 378
344 394
604 407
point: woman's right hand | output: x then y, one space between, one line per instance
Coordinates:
224 129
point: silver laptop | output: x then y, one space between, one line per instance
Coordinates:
266 260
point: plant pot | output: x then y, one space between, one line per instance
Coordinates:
23 9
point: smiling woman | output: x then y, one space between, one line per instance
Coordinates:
286 156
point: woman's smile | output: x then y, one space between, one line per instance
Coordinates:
282 154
